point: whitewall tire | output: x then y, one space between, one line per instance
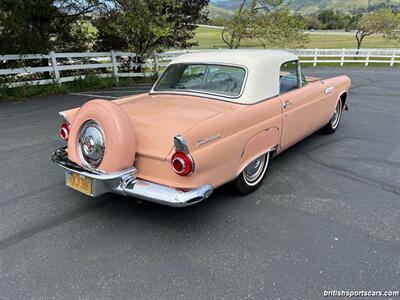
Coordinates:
251 178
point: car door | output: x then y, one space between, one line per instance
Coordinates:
299 104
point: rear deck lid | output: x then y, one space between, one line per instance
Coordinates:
158 118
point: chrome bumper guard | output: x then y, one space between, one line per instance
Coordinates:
125 183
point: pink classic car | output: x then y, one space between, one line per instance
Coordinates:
212 118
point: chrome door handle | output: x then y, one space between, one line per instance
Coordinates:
287 104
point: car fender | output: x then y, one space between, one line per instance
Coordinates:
259 144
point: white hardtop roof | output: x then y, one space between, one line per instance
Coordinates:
263 67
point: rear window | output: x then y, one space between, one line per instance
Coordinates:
219 80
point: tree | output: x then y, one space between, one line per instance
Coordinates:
282 29
383 22
269 21
239 27
330 19
311 22
149 26
351 21
38 26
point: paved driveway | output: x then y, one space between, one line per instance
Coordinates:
326 218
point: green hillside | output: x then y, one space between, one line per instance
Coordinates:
217 12
227 4
352 6
210 38
312 6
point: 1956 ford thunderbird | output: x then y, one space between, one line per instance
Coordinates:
212 118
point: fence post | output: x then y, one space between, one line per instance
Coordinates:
315 57
114 63
56 72
156 65
342 60
367 59
393 57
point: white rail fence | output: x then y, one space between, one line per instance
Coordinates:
343 56
64 67
388 57
59 66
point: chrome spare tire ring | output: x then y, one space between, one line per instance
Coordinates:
91 144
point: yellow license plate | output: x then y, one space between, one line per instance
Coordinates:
79 182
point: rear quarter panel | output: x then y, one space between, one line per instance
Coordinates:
340 85
244 134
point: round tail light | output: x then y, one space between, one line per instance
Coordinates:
64 131
182 163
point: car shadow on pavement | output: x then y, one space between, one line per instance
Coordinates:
223 199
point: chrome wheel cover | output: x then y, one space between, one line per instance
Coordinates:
255 170
336 115
91 144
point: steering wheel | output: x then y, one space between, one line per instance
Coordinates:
228 82
189 83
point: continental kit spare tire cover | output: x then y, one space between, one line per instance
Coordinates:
102 137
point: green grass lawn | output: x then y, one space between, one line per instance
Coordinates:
209 38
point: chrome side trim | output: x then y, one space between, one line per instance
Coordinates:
125 183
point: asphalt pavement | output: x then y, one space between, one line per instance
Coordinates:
326 218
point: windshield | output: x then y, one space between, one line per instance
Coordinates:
202 78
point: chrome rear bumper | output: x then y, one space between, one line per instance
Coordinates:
125 183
